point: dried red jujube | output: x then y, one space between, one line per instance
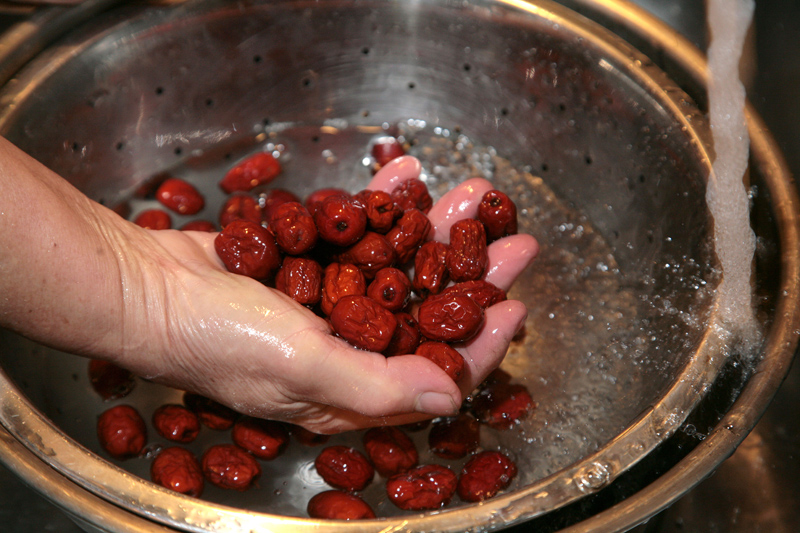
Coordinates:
293 227
248 249
371 253
340 220
265 439
338 505
484 475
341 280
430 268
178 469
498 214
453 318
230 467
406 337
345 468
301 279
484 293
426 487
240 207
444 356
391 288
176 423
410 231
362 322
180 196
121 432
468 256
455 437
258 169
155 219
390 450
212 414
413 194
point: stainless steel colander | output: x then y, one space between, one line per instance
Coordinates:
605 156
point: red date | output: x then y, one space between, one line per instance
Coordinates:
121 432
498 214
453 318
110 381
263 438
176 423
340 220
301 279
411 230
308 438
344 468
155 219
454 438
385 149
240 207
380 209
413 194
212 414
444 356
248 249
425 487
180 196
315 199
177 469
293 227
338 281
371 254
391 288
258 169
484 293
502 406
468 255
430 269
484 475
406 337
390 450
362 322
338 505
271 199
229 467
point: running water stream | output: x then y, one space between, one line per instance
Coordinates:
726 195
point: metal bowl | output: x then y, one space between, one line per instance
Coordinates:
604 154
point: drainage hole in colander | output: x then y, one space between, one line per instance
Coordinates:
365 50
178 150
306 82
467 67
76 147
545 167
504 111
120 145
209 102
315 139
588 159
159 91
411 85
257 59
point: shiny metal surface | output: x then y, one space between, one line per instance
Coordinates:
724 444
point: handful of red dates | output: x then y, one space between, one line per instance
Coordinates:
347 257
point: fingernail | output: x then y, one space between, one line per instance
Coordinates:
435 403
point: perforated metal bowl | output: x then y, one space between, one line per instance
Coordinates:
606 157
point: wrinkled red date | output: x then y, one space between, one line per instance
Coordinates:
444 356
180 196
390 450
454 438
380 209
122 432
362 322
430 269
271 199
258 169
413 194
501 406
391 288
371 253
315 199
406 337
265 439
425 487
498 214
247 249
338 505
178 469
240 207
453 318
212 414
176 423
484 475
344 468
301 279
229 467
468 255
293 227
341 280
483 292
340 220
153 219
110 381
411 230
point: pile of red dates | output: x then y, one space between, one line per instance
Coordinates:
345 256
